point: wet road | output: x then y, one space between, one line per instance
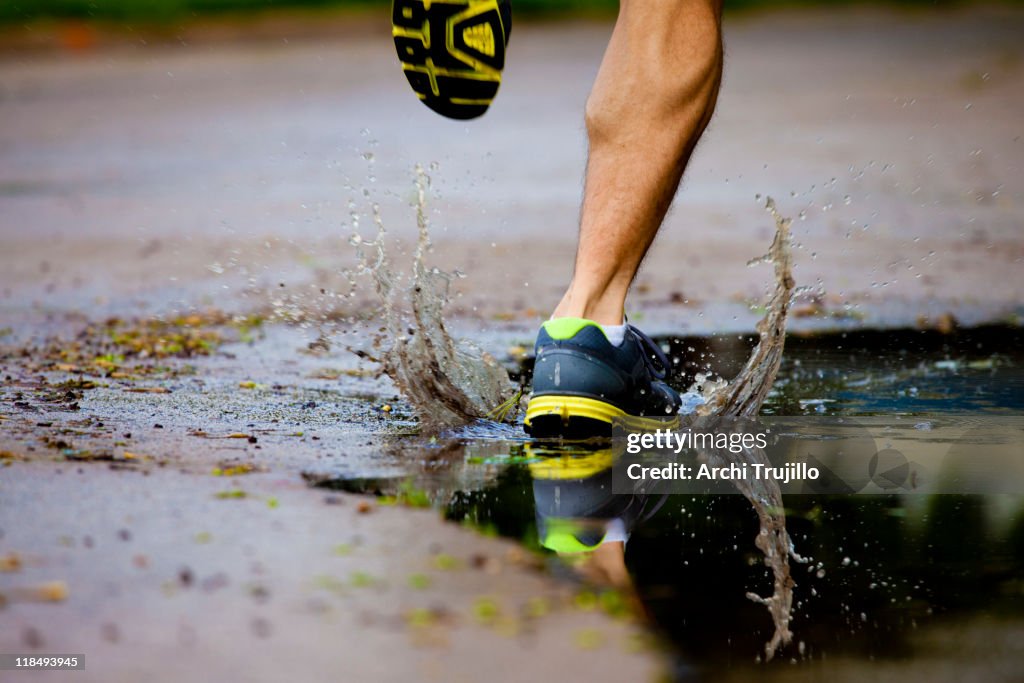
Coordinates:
151 180
166 176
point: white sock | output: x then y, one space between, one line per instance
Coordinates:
616 333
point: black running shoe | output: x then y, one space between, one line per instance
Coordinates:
581 381
452 51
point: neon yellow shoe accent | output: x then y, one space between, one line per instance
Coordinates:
480 38
561 538
580 406
566 328
571 406
485 70
570 466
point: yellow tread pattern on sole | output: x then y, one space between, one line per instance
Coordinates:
571 406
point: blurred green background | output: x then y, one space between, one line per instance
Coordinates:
13 11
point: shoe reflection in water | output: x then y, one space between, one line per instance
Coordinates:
580 518
588 526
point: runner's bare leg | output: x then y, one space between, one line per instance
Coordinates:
653 97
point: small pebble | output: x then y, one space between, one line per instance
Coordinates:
32 638
259 593
110 632
261 627
186 577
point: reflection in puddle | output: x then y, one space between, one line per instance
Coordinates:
890 575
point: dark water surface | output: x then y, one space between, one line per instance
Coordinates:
881 568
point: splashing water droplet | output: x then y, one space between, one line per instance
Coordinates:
743 397
449 382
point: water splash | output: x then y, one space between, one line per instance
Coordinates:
743 397
448 382
451 383
745 393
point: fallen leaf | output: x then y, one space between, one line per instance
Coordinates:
51 591
589 639
10 562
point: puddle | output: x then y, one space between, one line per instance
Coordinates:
451 383
883 572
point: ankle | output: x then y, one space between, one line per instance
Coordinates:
604 310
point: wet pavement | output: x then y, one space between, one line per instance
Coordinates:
249 513
157 515
167 579
171 177
156 511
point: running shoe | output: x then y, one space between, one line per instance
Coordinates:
581 381
452 51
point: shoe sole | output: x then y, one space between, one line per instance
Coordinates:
579 417
452 52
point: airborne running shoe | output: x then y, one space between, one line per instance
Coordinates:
581 381
452 51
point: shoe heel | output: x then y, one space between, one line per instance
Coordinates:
569 417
